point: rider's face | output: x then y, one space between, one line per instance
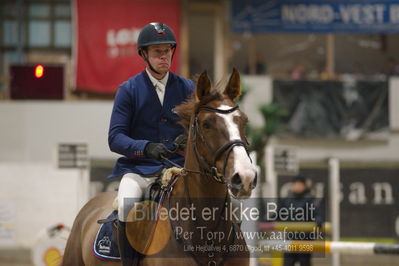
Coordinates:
298 187
160 57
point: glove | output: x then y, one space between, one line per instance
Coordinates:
180 142
156 150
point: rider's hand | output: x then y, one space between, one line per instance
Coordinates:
156 150
181 142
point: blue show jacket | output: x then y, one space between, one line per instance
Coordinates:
138 118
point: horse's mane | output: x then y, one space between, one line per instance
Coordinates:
187 108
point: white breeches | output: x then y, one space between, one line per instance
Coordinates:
131 189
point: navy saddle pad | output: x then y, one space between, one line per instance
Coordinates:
105 247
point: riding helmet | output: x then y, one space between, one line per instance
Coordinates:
155 33
300 178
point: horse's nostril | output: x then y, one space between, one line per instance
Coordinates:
253 184
236 181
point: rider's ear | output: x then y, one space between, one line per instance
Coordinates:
233 88
203 85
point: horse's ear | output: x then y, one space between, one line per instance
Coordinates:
233 88
203 85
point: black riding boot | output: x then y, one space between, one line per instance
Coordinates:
129 257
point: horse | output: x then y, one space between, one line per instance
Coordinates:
217 167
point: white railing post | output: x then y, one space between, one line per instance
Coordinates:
334 185
271 180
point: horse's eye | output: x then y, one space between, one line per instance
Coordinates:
207 124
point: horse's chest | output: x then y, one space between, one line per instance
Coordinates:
182 253
172 255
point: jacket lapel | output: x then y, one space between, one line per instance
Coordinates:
152 90
169 95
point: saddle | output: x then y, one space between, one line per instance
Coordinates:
105 245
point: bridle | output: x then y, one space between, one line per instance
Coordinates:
210 169
207 169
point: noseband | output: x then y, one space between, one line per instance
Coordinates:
210 168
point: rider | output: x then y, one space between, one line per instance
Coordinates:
143 125
298 199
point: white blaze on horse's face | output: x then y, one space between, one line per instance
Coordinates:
243 177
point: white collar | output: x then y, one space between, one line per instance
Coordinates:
154 81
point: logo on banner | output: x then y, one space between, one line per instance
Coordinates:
122 42
316 16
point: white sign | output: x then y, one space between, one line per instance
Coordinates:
72 155
285 161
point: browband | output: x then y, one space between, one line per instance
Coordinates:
216 110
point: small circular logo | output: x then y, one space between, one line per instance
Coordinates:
52 257
146 232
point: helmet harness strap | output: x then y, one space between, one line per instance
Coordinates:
149 64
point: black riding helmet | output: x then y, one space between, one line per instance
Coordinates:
155 33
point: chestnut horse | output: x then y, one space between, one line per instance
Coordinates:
217 167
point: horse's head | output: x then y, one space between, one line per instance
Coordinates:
217 134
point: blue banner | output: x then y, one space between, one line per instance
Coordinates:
302 16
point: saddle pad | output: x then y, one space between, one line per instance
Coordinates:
104 247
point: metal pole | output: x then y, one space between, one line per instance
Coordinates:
20 31
330 56
271 180
219 53
252 55
253 226
184 44
334 184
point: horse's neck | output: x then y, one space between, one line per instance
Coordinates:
198 192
